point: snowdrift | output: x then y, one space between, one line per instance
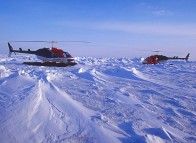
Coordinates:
98 100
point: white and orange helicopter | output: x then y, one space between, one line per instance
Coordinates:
156 59
49 56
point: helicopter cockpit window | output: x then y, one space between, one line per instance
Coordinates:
66 54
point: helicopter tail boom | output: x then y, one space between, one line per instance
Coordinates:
19 51
176 57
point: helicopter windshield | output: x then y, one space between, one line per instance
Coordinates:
67 55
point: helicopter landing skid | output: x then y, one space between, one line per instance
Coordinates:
50 64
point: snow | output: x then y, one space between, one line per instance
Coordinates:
98 100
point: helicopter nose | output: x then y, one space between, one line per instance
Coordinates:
143 61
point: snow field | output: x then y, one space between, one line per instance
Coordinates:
98 100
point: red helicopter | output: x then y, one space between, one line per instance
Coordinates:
49 56
155 59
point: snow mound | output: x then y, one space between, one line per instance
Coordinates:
3 72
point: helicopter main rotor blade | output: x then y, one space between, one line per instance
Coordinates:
75 41
54 41
28 41
157 51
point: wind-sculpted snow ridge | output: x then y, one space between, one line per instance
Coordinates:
98 100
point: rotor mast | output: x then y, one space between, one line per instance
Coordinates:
52 43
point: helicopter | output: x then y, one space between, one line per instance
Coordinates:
155 59
49 56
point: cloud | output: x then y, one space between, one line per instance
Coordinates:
165 29
152 28
155 10
162 13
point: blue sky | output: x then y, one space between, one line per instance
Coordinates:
115 28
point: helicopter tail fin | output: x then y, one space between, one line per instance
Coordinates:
187 57
10 49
